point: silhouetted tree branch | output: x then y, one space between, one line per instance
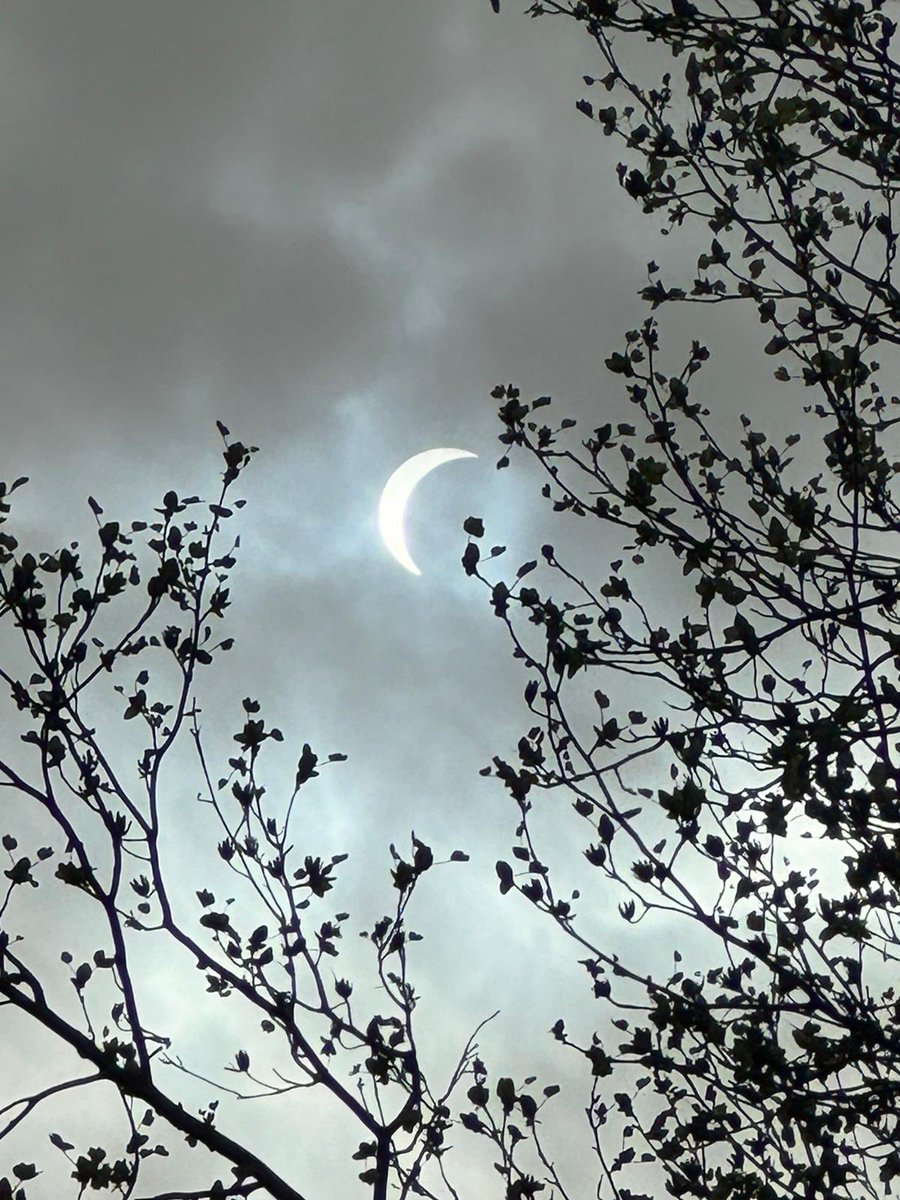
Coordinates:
274 951
755 727
770 700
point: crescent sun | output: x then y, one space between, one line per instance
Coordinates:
396 494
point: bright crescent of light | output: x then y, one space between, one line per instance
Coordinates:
396 494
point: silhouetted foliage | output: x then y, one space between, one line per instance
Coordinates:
751 729
755 729
95 838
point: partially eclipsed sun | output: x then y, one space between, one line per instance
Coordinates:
396 494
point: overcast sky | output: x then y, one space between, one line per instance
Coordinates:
334 225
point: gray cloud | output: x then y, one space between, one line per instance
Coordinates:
335 226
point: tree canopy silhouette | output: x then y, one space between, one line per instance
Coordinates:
759 721
738 792
95 826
